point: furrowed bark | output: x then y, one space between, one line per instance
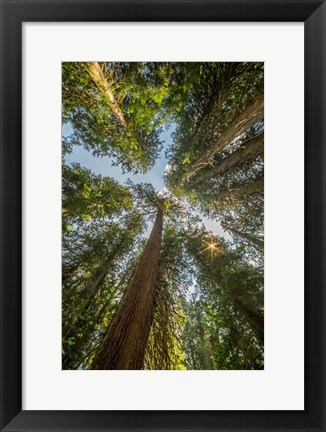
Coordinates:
248 151
124 345
243 122
96 73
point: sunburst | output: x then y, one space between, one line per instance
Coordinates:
211 247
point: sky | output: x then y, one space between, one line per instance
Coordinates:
103 165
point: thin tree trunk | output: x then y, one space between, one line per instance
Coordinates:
255 318
204 346
249 150
80 342
103 309
243 122
253 239
69 270
93 288
96 73
102 272
256 186
124 345
192 355
221 86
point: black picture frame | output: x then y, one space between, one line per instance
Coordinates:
13 14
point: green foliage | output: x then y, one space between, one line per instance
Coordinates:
98 259
164 350
146 94
209 298
225 313
224 186
87 196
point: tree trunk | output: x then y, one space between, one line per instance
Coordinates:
251 115
192 356
255 318
93 288
204 346
253 239
249 150
256 186
80 342
124 345
96 73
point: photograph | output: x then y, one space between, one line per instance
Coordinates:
163 268
162 215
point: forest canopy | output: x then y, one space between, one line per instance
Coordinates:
169 278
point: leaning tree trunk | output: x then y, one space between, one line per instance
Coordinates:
258 242
93 288
203 343
124 345
254 187
248 151
251 115
254 317
97 75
